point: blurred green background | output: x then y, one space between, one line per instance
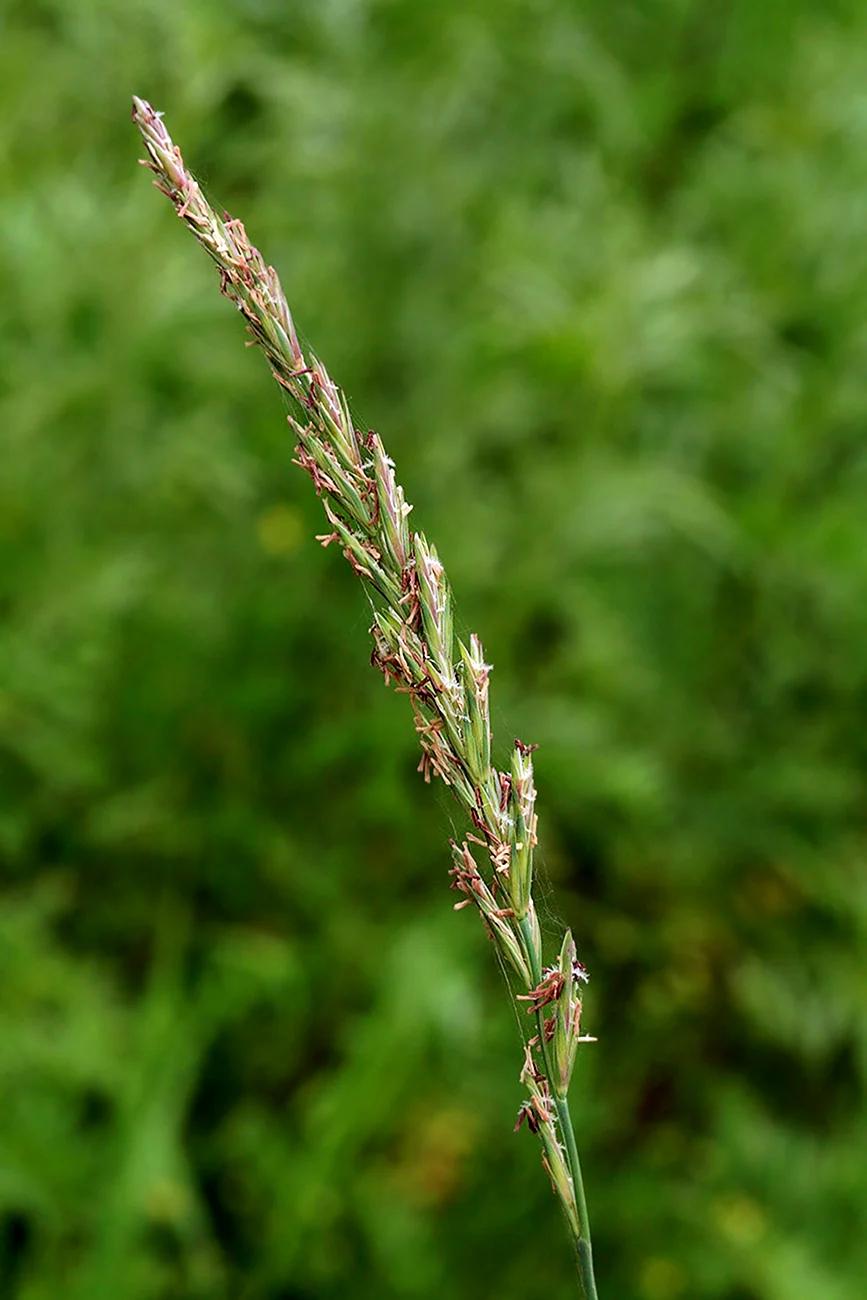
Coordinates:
597 272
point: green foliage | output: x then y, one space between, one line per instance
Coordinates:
598 274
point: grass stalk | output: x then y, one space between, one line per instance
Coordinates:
415 648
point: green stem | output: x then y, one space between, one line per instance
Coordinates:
583 1245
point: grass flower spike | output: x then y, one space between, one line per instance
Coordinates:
415 647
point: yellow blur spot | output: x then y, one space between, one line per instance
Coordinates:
433 1164
167 1201
280 530
741 1220
662 1279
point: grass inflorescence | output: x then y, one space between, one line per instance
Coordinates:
415 647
